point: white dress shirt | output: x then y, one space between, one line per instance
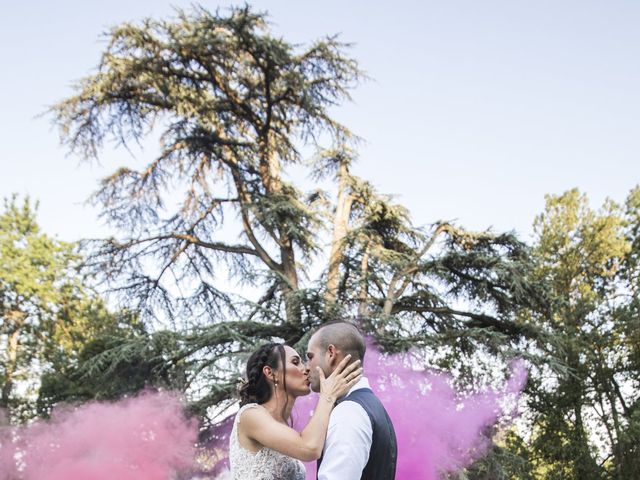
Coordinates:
349 437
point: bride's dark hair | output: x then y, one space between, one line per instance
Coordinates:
257 388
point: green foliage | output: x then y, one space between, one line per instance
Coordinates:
581 413
134 370
508 459
48 313
36 278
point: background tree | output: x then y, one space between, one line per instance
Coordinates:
582 414
33 270
85 327
236 108
48 313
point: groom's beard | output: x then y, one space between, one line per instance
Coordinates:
315 382
314 377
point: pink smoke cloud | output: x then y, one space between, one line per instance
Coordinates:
143 438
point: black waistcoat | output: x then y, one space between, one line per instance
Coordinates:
384 450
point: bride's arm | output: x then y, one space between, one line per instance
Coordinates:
260 426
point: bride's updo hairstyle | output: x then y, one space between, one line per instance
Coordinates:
258 388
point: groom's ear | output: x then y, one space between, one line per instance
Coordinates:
332 355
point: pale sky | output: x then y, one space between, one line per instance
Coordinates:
476 109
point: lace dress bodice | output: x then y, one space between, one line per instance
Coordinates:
265 464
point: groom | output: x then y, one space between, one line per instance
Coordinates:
361 442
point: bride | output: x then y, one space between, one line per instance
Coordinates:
262 445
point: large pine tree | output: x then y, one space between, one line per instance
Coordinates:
236 108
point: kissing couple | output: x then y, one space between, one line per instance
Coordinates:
350 432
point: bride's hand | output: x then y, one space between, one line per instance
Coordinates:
341 380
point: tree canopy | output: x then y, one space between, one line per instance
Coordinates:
235 108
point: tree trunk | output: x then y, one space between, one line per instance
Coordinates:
11 365
340 228
363 306
290 285
618 453
270 171
585 466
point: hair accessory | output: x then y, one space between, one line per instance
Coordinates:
241 382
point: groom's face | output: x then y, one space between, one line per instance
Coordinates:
317 357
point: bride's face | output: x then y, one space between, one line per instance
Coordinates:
297 373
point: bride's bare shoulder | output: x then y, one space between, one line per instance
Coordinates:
253 414
251 420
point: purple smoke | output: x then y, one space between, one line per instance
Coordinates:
438 429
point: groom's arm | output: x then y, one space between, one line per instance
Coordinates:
346 449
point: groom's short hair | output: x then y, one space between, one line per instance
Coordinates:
345 336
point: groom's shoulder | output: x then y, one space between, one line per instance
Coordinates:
364 392
367 400
360 400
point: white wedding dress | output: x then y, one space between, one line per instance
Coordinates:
265 464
